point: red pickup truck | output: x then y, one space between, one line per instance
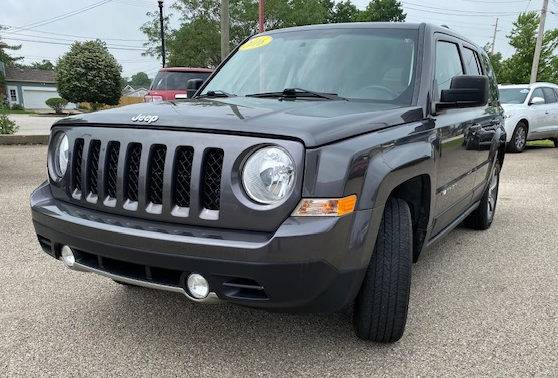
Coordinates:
171 81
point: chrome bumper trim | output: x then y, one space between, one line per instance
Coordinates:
211 298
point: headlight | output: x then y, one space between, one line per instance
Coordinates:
61 155
268 176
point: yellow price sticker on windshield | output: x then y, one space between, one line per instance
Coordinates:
256 43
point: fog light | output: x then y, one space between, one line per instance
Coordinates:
67 256
197 286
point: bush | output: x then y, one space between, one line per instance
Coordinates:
89 73
17 107
57 104
7 126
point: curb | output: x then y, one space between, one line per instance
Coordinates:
23 139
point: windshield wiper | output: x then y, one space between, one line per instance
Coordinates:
217 93
293 93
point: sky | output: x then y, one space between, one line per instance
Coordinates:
117 22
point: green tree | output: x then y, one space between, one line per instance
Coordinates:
517 69
5 57
345 11
496 60
140 80
43 65
152 30
383 10
89 73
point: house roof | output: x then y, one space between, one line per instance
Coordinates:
29 75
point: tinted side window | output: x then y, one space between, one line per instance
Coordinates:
448 64
471 62
538 93
549 95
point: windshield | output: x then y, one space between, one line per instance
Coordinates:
513 95
365 64
175 81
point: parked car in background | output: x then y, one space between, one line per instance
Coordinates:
171 81
531 113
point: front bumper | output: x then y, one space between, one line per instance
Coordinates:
308 264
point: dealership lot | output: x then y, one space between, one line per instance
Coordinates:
482 303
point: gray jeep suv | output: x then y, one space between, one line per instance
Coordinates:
307 173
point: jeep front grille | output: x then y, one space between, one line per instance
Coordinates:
172 176
150 169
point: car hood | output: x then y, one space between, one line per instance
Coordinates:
509 108
313 122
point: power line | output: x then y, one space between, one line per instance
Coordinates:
68 40
80 36
110 47
464 11
60 17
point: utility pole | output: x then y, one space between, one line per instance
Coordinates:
261 16
538 46
225 24
163 54
494 36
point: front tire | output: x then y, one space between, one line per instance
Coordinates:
519 138
380 312
482 217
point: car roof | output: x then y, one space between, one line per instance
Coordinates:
534 85
186 69
430 28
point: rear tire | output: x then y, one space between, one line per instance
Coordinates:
482 217
519 138
381 306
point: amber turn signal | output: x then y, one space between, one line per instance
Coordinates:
325 207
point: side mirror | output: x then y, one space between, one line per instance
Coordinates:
537 101
465 91
192 86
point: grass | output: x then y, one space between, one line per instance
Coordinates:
541 143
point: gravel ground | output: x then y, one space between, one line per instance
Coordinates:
482 303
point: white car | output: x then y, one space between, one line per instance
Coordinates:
531 113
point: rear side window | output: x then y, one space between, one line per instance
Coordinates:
448 64
169 80
549 95
471 61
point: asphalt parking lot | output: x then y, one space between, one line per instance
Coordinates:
482 303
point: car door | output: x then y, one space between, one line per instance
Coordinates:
550 124
456 158
538 114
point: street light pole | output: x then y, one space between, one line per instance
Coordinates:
225 26
538 44
261 16
162 32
